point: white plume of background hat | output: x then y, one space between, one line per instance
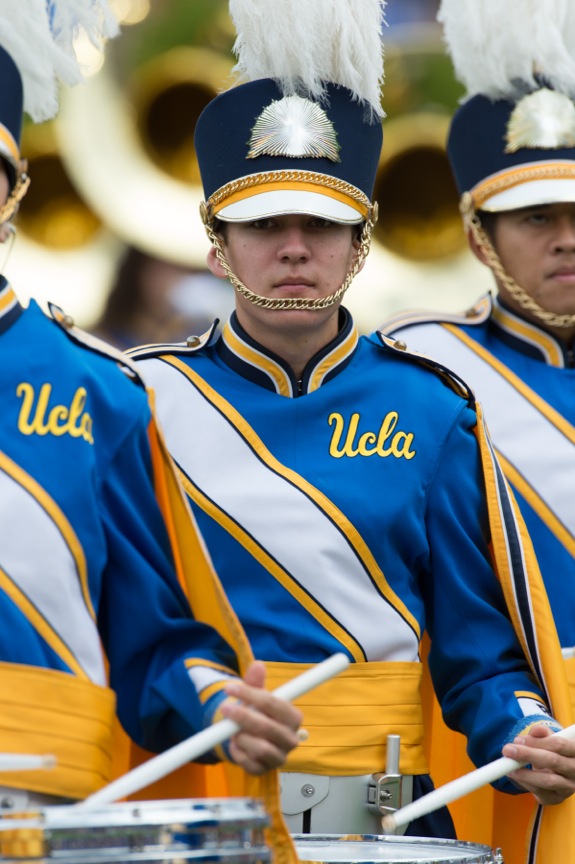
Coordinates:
39 36
320 41
496 45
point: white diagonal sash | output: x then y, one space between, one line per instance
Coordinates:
247 483
36 558
545 455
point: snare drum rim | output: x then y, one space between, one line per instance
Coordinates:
151 812
485 854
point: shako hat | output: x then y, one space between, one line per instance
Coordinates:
304 133
512 141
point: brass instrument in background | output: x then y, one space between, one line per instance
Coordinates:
419 217
117 166
52 213
130 153
127 136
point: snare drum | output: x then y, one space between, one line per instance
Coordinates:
228 830
373 849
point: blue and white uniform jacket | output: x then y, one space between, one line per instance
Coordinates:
86 566
525 380
348 511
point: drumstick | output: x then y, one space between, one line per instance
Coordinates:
206 740
457 789
25 761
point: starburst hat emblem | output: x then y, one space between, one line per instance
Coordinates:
294 127
509 154
263 154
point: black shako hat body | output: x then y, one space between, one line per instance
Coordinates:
510 154
262 153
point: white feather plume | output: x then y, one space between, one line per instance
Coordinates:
306 43
498 45
39 35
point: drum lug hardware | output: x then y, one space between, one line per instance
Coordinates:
499 857
384 796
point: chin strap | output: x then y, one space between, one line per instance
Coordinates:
473 224
291 303
16 195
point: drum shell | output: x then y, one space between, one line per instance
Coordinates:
229 830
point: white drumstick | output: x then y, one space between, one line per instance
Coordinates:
194 747
25 761
457 789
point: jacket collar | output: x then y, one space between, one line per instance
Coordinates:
252 361
528 338
10 308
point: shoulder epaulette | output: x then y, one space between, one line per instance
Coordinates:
451 378
98 346
477 314
190 346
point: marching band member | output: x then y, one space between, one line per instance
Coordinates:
512 150
347 490
100 557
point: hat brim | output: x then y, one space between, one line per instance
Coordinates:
285 202
532 194
530 184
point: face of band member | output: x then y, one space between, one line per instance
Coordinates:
360 247
283 258
287 156
536 246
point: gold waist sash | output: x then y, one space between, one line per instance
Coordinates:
349 718
43 711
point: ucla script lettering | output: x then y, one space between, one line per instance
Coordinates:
386 442
38 417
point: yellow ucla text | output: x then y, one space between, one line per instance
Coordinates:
347 441
39 417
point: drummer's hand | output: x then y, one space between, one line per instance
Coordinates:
269 732
552 777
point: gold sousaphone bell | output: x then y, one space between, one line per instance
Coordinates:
419 217
129 149
53 214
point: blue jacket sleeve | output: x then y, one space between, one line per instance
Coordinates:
482 678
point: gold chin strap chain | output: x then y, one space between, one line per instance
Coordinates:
298 302
472 223
18 192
